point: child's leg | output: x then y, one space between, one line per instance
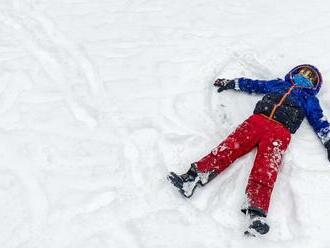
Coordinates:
241 141
264 172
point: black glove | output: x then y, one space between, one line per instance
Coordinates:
327 146
224 84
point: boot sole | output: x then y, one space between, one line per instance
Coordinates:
256 232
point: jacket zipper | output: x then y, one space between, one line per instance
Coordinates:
281 102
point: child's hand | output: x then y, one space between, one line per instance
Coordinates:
224 84
327 146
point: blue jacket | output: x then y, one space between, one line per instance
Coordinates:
303 97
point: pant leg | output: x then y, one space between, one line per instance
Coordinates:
265 169
241 141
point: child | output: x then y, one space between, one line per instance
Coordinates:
276 116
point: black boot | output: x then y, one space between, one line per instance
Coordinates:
258 225
187 182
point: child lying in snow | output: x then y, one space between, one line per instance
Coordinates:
276 116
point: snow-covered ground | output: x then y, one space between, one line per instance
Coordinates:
99 99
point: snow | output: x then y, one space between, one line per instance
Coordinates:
100 99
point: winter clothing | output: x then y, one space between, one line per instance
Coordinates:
187 182
288 113
258 226
327 146
272 139
278 114
224 84
288 103
309 73
300 80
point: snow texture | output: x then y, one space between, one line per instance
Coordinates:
100 99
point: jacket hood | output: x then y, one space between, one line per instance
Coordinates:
311 90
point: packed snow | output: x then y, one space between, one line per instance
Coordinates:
99 100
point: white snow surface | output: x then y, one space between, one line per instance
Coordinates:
100 99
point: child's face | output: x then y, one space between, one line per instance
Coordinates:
309 74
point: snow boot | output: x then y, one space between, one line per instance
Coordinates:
257 226
187 182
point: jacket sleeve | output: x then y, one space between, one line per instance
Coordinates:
259 86
317 119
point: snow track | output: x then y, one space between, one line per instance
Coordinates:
100 99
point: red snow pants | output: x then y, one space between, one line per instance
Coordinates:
271 139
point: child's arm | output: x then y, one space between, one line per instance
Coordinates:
318 121
260 86
251 86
